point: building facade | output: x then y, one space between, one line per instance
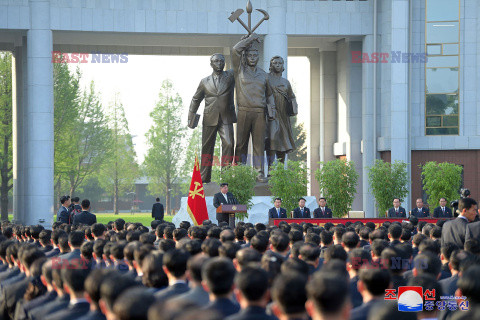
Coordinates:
401 107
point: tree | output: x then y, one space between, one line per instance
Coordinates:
165 139
90 141
441 180
241 181
299 135
338 180
6 159
67 95
120 169
289 183
388 181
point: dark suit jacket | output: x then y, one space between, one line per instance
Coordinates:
157 211
85 217
473 231
196 296
401 213
355 296
72 312
272 213
219 199
317 213
224 306
9 273
62 215
449 285
453 231
41 312
425 212
93 315
171 291
219 103
22 311
53 253
361 312
297 213
251 313
11 294
75 254
437 212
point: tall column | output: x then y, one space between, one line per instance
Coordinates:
276 42
368 139
19 95
349 97
314 145
400 120
328 104
39 112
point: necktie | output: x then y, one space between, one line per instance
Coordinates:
278 212
215 81
323 210
443 210
302 211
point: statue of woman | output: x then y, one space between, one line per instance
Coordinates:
279 131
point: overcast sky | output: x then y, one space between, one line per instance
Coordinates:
138 84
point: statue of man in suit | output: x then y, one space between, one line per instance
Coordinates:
218 116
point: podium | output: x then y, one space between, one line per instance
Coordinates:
231 209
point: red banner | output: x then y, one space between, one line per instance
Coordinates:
321 222
196 205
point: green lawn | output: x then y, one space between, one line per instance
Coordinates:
144 218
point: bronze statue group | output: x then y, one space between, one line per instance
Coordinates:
265 103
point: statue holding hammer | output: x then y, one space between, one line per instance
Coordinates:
255 101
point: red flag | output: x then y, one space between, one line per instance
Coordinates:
196 205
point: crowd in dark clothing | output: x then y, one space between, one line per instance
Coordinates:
291 271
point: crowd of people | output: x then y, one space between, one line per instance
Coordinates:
291 271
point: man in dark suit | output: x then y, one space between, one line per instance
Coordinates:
75 240
301 212
277 211
217 277
454 231
397 211
223 197
63 215
473 231
371 285
197 295
322 289
219 115
442 211
157 210
59 303
85 217
449 285
322 211
252 294
175 266
420 211
74 280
